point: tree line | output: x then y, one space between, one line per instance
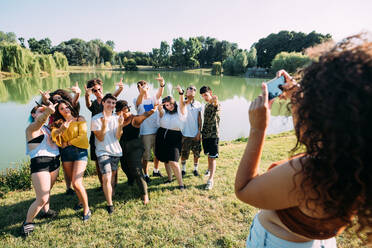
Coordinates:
184 53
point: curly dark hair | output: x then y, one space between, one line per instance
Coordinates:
333 109
58 118
66 96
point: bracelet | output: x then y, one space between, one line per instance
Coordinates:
162 85
181 93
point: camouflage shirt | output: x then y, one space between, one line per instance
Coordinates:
211 123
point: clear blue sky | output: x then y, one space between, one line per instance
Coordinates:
141 25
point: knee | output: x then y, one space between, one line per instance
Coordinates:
76 184
43 200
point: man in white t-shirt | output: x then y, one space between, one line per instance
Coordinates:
107 128
191 130
145 102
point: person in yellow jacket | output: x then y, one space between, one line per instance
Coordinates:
69 132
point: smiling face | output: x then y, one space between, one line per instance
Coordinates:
64 110
207 96
169 106
109 104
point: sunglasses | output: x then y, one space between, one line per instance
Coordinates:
191 88
95 91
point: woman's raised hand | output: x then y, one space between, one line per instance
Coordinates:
75 89
45 95
179 89
259 110
290 84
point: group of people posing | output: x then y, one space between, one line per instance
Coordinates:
171 130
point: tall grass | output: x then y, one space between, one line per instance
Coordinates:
19 60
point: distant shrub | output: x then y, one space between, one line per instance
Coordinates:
18 178
289 61
216 68
130 65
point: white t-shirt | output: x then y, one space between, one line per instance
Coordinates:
174 121
190 128
110 144
150 125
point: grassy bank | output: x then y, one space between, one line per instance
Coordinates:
193 218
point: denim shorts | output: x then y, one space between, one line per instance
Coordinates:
260 237
73 153
108 163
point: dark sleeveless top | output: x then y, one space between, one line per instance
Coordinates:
310 227
129 133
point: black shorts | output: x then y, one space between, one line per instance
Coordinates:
210 147
43 163
168 145
92 144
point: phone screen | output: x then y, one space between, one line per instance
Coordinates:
274 87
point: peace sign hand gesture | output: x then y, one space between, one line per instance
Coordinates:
88 91
160 79
120 84
75 89
45 95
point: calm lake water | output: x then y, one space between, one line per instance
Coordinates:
18 96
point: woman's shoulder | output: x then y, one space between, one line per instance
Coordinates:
80 118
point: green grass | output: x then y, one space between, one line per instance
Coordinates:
193 218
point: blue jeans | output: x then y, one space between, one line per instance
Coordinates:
260 237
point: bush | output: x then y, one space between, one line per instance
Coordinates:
216 68
236 64
18 178
130 65
289 61
61 61
107 64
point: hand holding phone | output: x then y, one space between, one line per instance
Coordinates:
275 87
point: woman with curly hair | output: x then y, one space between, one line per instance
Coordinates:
309 199
69 132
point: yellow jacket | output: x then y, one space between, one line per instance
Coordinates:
75 134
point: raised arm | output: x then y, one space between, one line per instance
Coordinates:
161 88
120 88
76 90
182 101
45 96
140 96
41 119
119 130
88 91
137 120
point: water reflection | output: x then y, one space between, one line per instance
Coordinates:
17 97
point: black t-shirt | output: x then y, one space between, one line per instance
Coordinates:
96 108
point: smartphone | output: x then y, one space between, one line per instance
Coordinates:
275 87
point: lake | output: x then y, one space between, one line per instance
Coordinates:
18 96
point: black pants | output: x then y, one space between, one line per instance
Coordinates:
131 163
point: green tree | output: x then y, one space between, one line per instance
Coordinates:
8 37
22 41
43 46
193 47
164 54
155 56
178 52
111 44
130 65
285 41
216 68
289 61
252 57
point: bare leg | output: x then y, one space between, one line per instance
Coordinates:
156 163
107 187
145 167
67 178
53 178
41 181
168 170
114 178
99 174
177 171
211 167
77 182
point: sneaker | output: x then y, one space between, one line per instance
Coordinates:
196 173
70 191
157 174
27 228
207 172
49 214
209 185
87 216
182 187
78 207
168 181
110 209
183 173
147 179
